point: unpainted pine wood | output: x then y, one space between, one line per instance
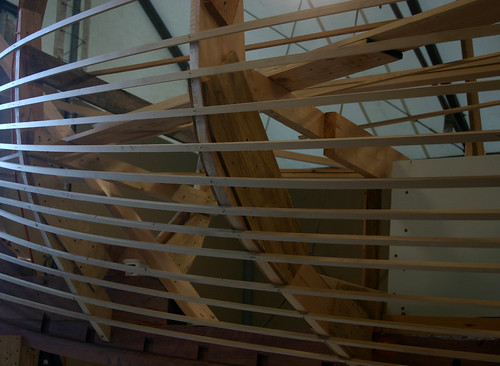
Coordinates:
318 35
248 47
477 323
222 11
479 67
79 109
133 130
29 356
156 260
472 98
309 121
76 246
204 54
232 88
184 261
227 89
300 76
10 350
455 15
458 14
313 159
174 192
5 62
368 161
31 21
117 101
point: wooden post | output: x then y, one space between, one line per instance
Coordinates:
476 148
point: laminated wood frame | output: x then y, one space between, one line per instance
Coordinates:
96 189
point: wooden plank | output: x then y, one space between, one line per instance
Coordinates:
415 41
431 114
313 159
227 89
454 15
313 123
222 11
492 324
248 47
127 131
459 14
10 350
172 192
184 261
309 121
472 98
208 53
59 36
30 21
77 246
79 109
318 35
29 356
296 77
157 260
117 101
371 162
233 88
480 67
5 62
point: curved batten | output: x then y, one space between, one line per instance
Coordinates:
130 218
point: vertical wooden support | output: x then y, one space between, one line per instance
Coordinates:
476 148
233 88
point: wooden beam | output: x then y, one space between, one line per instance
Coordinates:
430 114
296 77
184 261
371 162
248 47
443 321
157 260
228 89
309 121
472 98
10 350
291 155
5 62
479 67
29 22
454 15
170 192
459 14
222 11
117 101
313 123
134 130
